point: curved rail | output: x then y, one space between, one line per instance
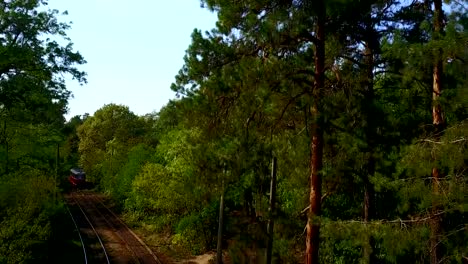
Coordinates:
127 228
79 234
94 230
109 224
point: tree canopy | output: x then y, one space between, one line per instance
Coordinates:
362 103
35 57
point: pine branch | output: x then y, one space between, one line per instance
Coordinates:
308 207
443 143
400 221
387 71
358 63
293 99
445 237
308 36
448 177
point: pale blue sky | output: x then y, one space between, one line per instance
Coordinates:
133 49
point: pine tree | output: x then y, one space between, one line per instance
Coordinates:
439 125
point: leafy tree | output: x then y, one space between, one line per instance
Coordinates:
256 41
32 88
105 139
70 148
33 98
337 90
26 207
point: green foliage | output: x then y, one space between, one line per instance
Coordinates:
196 230
35 57
169 186
136 158
28 56
105 139
245 96
27 206
69 150
155 191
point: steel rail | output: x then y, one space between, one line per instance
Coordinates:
109 224
131 232
92 226
79 234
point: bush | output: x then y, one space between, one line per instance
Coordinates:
27 206
197 231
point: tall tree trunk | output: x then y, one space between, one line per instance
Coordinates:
7 147
439 124
370 131
313 223
437 115
369 209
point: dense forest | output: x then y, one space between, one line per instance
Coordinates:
303 132
33 100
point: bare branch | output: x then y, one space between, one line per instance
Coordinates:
443 143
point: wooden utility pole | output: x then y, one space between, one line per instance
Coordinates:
219 247
57 157
271 210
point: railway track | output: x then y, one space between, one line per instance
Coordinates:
119 242
94 250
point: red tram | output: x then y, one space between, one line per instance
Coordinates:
77 177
